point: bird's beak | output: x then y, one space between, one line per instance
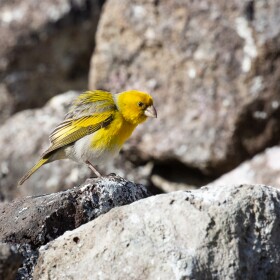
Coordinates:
151 112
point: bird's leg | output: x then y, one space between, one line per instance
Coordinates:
93 168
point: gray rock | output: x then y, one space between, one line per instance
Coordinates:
10 261
212 68
226 232
45 49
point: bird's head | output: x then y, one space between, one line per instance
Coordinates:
135 106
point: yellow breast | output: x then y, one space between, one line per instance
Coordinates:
114 135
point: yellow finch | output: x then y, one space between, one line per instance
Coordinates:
96 127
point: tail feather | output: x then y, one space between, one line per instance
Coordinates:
32 170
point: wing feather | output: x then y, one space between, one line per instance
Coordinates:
72 131
90 112
91 102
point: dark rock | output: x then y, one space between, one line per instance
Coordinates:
30 256
37 220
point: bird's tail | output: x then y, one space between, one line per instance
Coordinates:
32 170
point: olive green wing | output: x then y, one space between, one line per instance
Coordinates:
91 102
71 130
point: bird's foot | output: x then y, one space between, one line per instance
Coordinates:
93 169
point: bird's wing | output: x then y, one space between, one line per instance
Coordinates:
72 130
90 112
91 102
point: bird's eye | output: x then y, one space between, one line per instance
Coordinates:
140 104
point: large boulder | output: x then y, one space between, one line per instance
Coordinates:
223 232
213 69
45 49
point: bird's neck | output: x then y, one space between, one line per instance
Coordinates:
125 130
114 135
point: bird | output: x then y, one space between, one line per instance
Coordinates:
96 127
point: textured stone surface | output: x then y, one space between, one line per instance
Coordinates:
227 232
44 50
264 168
213 68
30 256
37 220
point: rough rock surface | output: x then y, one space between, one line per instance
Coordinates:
264 168
45 49
213 68
23 138
10 261
223 232
37 220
